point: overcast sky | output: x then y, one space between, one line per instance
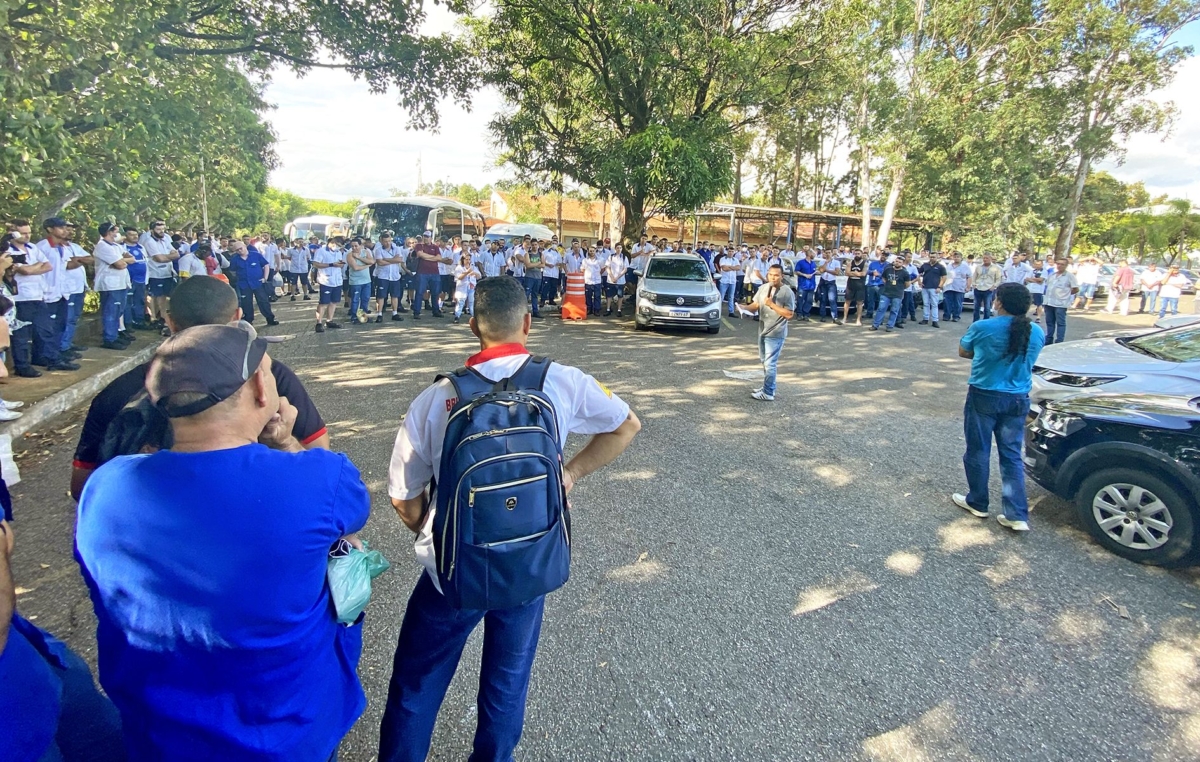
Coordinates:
338 141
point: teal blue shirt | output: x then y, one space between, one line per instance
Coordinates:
990 368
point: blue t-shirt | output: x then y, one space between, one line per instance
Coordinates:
30 690
137 270
804 274
990 369
875 272
249 270
217 635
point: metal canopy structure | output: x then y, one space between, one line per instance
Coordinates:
821 226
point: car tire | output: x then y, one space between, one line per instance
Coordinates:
1101 496
640 326
714 329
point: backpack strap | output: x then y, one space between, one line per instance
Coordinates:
531 376
467 383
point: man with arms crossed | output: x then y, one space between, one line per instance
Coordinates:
433 633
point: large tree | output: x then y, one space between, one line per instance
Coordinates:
110 105
641 100
1106 57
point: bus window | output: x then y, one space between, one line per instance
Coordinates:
450 222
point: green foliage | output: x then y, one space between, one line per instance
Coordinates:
640 100
109 107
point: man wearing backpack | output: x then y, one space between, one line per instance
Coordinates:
495 561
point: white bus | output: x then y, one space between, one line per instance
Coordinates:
408 217
323 226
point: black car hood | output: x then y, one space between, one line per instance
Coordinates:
1146 409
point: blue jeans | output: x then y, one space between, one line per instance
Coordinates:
431 282
804 309
591 292
827 292
135 305
908 306
887 303
769 349
1000 415
533 291
431 643
112 307
983 304
929 304
467 301
74 310
1056 324
1148 297
1169 303
360 294
952 301
872 299
728 295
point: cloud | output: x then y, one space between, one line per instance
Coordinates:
1168 163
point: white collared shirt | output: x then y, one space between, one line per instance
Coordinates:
109 278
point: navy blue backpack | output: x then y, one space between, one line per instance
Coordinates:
501 533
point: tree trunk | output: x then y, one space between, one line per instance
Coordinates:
889 210
864 170
635 217
1066 231
795 197
58 206
737 183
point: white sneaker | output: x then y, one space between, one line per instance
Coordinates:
961 501
12 405
762 396
756 391
9 415
1016 526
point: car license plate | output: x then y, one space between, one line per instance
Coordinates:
679 313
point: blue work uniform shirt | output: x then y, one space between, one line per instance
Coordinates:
249 270
805 272
875 272
990 368
30 690
216 633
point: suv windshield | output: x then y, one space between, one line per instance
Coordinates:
677 269
1179 345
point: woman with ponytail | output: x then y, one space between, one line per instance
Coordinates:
1002 350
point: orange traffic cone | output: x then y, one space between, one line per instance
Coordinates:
574 306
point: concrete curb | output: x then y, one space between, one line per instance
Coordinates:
75 394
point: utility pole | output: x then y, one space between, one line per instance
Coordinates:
417 190
203 194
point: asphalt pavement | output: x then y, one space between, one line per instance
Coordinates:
751 581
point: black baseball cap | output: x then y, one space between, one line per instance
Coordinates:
213 360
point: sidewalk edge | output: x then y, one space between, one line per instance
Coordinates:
75 394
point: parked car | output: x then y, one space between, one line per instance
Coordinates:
503 231
1130 464
677 290
1173 321
1167 362
1193 277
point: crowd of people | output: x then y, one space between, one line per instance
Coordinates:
215 647
217 632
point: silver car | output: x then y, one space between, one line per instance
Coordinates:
677 290
1164 362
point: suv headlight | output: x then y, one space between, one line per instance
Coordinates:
1059 423
1075 380
712 298
649 295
